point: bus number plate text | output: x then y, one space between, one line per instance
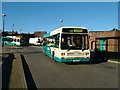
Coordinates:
76 60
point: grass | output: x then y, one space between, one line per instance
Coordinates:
117 60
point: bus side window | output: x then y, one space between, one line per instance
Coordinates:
44 42
38 41
57 40
63 43
18 40
15 40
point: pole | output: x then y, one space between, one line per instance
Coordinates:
12 29
13 32
3 28
20 30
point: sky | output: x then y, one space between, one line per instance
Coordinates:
46 16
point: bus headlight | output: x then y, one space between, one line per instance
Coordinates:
62 54
87 53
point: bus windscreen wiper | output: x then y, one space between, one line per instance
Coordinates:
83 48
69 47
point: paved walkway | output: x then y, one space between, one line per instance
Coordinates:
113 61
12 70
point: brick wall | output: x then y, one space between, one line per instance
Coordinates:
112 43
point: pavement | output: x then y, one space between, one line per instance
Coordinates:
12 69
113 61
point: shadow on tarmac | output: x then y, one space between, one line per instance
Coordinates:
6 70
28 76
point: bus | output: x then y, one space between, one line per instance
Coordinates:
11 40
67 44
14 41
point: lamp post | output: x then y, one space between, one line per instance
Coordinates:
20 33
12 29
20 30
61 22
3 17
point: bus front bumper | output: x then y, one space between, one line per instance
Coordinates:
72 59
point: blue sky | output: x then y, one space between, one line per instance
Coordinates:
46 16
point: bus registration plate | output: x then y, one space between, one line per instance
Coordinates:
76 60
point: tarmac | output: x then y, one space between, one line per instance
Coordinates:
12 69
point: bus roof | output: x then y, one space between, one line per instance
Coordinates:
73 27
59 30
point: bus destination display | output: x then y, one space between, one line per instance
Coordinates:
74 30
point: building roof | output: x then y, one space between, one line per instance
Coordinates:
39 34
114 29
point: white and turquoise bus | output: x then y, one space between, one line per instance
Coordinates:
14 40
11 40
67 44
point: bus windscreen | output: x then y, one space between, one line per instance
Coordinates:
74 41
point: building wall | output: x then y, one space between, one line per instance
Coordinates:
112 43
117 34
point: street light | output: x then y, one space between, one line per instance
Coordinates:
20 33
61 22
3 27
12 29
20 30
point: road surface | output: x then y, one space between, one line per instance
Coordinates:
45 73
